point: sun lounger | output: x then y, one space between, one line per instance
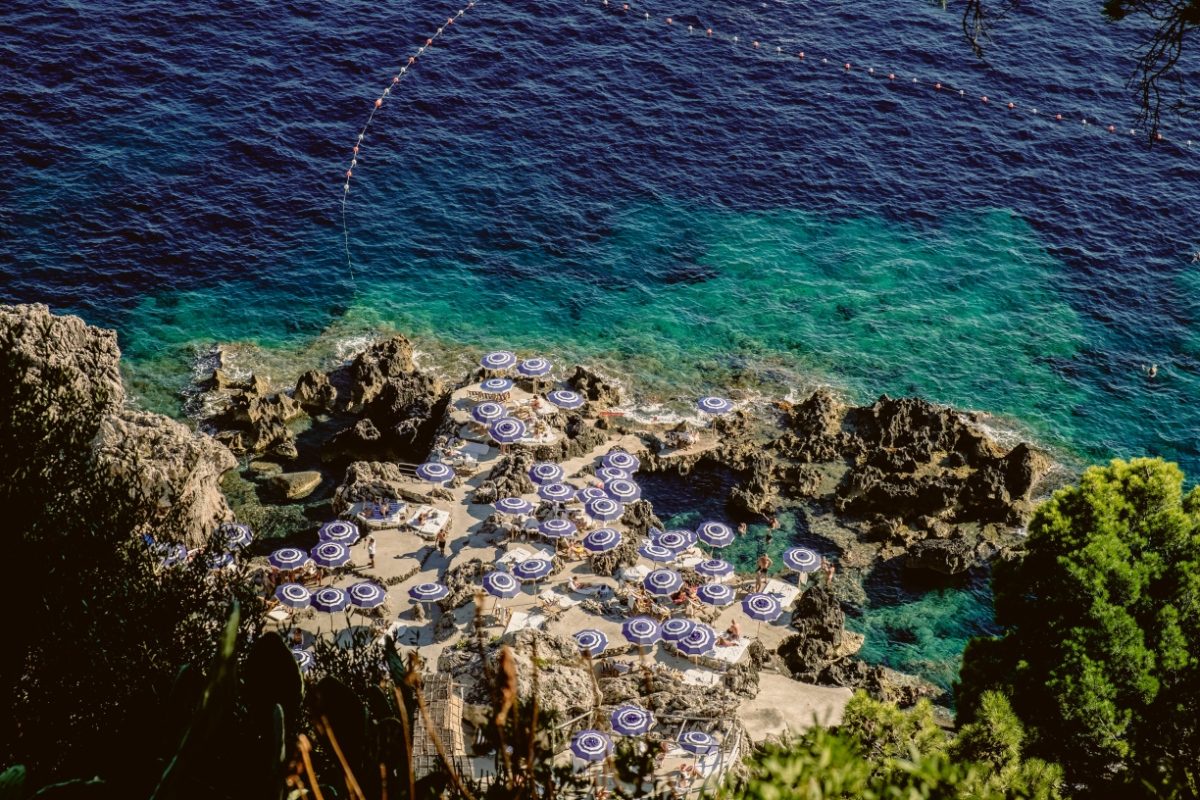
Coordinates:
701 677
434 520
525 621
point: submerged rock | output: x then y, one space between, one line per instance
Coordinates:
296 485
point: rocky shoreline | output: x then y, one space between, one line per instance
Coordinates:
898 481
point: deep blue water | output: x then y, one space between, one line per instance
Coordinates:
562 177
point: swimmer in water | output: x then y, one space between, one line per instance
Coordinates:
1151 371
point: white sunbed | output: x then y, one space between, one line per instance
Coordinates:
433 523
731 654
785 593
701 677
371 521
525 621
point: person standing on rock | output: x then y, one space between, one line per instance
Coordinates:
441 541
828 568
371 552
764 565
742 528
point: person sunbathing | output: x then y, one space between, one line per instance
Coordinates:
583 587
731 636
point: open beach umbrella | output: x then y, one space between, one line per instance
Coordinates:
623 489
428 592
556 492
672 540
641 631
591 641
435 472
606 474
702 639
557 528
716 594
662 582
532 569
589 493
715 568
604 509
304 659
501 584
367 594
239 534
496 385
762 607
546 472
330 599
631 720
330 554
288 558
591 745
498 360
657 553
339 531
488 411
293 595
507 430
601 540
715 534
714 405
513 505
697 742
676 628
220 560
172 554
619 459
534 367
565 398
801 559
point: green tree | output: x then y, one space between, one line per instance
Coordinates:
1102 619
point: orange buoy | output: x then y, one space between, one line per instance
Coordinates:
411 60
1112 128
847 65
379 102
1011 106
710 31
1058 117
429 42
984 98
755 45
450 20
349 173
891 76
800 55
356 146
937 86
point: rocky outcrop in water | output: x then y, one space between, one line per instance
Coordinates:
59 368
821 638
315 393
597 389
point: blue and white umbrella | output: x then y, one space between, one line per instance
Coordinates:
801 559
428 592
606 474
590 493
715 534
293 595
714 405
330 554
565 398
604 509
304 659
591 641
171 553
488 412
496 385
591 745
556 492
619 459
697 742
557 528
533 569
288 558
239 534
623 489
662 582
762 607
546 472
716 594
676 628
498 360
338 531
534 367
631 720
715 568
672 540
501 584
657 553
330 599
601 540
367 595
641 631
220 560
513 505
507 430
702 639
435 472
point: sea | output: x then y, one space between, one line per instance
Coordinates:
689 213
